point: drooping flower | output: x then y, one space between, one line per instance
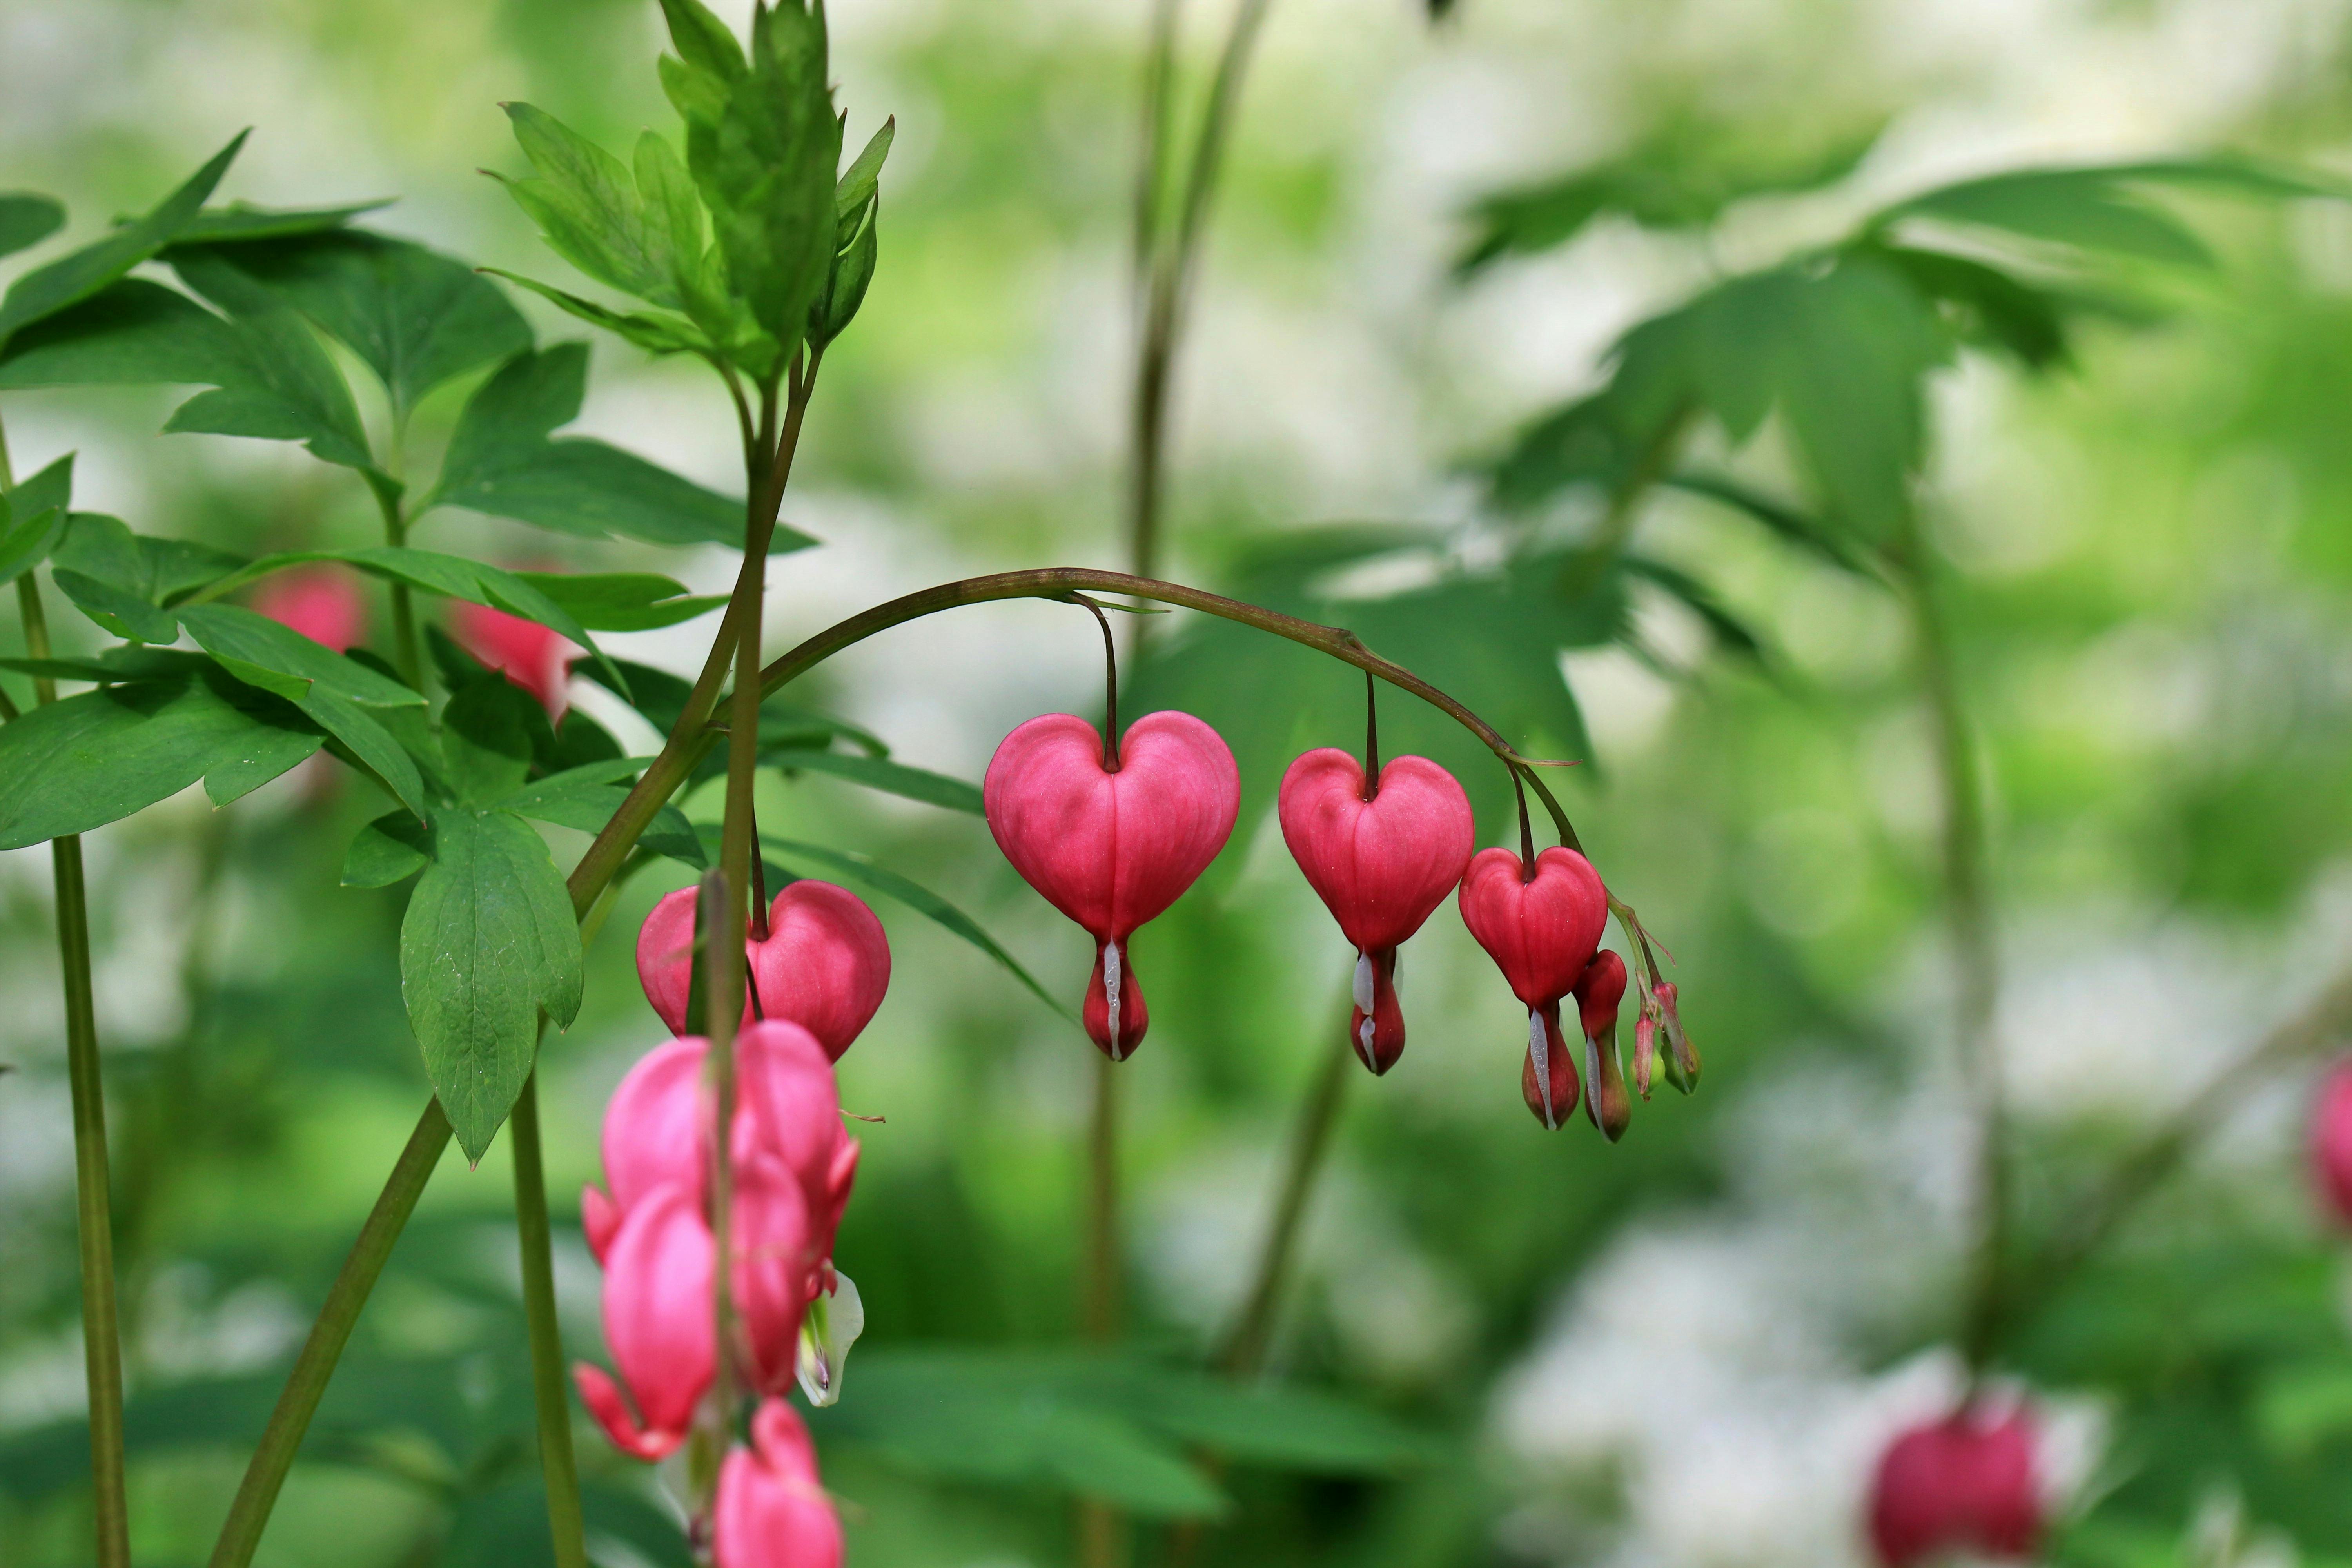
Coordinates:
1112 848
791 1166
530 655
1380 857
1967 1483
322 602
1598 992
771 1509
1542 932
825 964
2331 1143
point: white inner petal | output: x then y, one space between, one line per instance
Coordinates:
1363 983
1539 1052
1592 1078
1364 1044
1110 993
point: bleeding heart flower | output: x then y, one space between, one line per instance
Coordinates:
2331 1143
657 1324
1597 993
825 965
1380 859
1966 1483
323 602
1542 933
527 653
1111 849
771 1510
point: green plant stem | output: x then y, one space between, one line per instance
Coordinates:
1243 1353
565 1523
308 1383
1969 910
404 651
1170 274
93 1208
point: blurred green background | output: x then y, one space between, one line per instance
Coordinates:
1684 1349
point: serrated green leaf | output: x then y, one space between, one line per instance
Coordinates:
587 208
76 277
121 580
875 773
623 600
656 334
27 220
698 96
286 388
853 273
131 332
862 870
415 316
391 848
767 170
704 42
501 461
82 761
489 943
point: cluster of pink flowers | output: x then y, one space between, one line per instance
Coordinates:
1111 840
814 981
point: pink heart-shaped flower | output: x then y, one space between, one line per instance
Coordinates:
1964 1484
825 964
772 1511
1379 865
1540 933
657 1325
1111 849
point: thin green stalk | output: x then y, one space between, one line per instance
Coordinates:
565 1523
1968 910
1243 1353
404 653
308 1383
94 1221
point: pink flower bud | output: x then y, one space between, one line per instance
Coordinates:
1542 934
1967 1483
772 1511
1598 992
657 1324
1379 865
323 602
527 653
2331 1143
825 964
1112 849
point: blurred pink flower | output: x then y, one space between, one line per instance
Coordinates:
1966 1483
2331 1143
530 655
323 602
772 1511
657 1325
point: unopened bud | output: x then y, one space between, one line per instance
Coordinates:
1684 1071
1645 1051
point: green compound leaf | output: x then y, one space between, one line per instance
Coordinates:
33 519
240 220
86 761
586 798
27 220
876 773
586 205
488 734
76 277
489 943
501 460
415 316
863 870
132 332
121 580
391 848
284 387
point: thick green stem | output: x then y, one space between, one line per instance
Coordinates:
1244 1350
404 653
266 1475
1969 910
101 1330
553 1401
